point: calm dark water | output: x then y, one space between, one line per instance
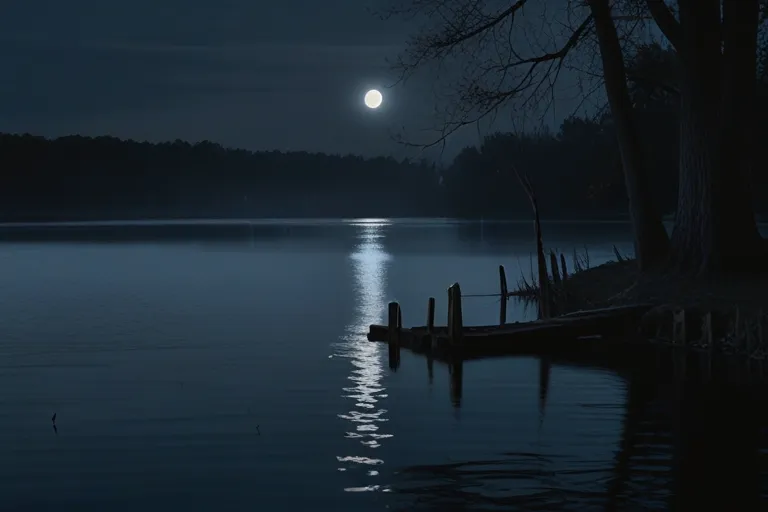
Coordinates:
224 366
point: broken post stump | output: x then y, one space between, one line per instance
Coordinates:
395 323
394 326
455 320
431 316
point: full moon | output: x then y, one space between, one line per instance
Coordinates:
373 99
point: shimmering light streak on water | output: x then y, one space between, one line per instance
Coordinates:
369 262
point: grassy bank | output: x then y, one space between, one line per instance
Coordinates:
737 305
618 283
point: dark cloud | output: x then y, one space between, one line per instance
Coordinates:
200 21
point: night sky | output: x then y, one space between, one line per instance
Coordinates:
286 75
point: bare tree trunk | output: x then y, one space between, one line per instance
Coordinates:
651 240
740 26
715 228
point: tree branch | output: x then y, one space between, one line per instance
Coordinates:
666 21
460 38
490 65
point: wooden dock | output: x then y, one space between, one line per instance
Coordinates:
698 342
585 331
589 323
600 336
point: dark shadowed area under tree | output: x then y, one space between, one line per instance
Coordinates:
715 45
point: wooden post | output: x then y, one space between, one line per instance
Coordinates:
455 321
431 323
394 324
395 321
431 316
504 295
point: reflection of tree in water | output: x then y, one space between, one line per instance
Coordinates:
684 446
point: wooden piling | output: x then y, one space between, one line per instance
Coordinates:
455 320
431 316
431 323
504 295
395 324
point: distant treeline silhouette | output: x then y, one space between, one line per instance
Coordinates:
77 177
578 169
84 178
575 171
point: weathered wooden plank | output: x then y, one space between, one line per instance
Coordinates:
522 337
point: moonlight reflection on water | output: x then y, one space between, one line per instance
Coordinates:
369 263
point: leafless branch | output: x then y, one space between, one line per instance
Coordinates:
666 21
486 60
497 64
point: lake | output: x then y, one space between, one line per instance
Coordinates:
224 366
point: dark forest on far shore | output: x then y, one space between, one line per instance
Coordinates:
576 172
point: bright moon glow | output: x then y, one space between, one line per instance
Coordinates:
373 99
